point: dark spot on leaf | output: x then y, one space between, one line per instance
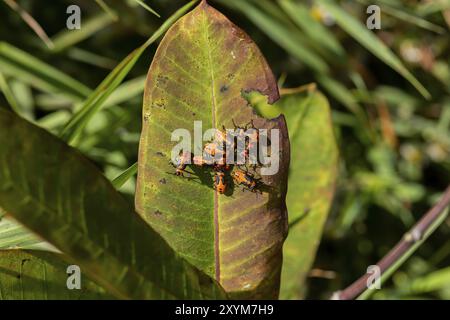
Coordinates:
194 114
157 212
163 181
161 80
25 260
230 76
159 153
224 88
18 276
159 103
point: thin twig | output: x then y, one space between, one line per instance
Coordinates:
146 7
31 22
409 239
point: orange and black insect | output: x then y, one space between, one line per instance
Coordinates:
219 182
181 162
220 136
245 179
214 153
219 166
215 145
251 138
211 148
220 161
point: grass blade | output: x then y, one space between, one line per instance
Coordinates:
404 15
4 87
31 22
67 38
410 18
147 7
299 13
107 9
126 91
427 8
22 65
344 96
120 180
371 42
91 58
14 236
95 101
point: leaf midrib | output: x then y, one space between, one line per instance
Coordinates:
214 125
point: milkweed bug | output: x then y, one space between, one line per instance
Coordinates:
219 182
220 136
245 179
214 154
181 162
250 138
210 149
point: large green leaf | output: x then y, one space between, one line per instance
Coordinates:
311 184
200 69
57 193
34 275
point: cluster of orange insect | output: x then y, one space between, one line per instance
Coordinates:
217 150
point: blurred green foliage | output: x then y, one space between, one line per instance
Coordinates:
394 143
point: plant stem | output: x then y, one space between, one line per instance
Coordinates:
418 233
